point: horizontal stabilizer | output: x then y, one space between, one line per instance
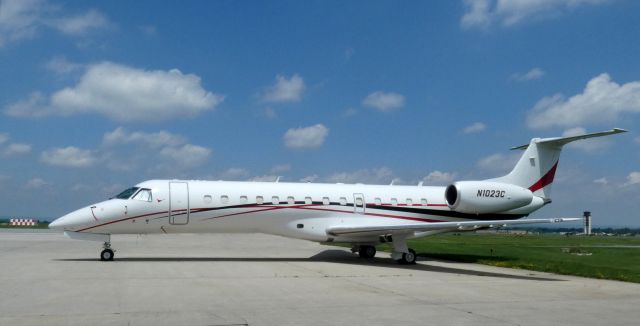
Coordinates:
561 141
434 226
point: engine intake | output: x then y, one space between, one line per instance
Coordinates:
481 197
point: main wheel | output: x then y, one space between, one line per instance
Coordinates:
367 251
106 255
408 258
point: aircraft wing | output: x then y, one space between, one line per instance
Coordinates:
433 226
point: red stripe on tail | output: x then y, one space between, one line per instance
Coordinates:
546 179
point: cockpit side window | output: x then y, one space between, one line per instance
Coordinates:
127 193
143 195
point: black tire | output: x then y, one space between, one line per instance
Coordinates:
367 251
106 255
408 258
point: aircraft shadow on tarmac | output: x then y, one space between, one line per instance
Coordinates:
328 256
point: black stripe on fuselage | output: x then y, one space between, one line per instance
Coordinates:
446 213
405 209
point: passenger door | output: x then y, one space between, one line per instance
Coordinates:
178 203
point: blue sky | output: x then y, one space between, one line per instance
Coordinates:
97 96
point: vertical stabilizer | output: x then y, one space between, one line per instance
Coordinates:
536 168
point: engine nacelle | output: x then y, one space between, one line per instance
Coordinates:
480 197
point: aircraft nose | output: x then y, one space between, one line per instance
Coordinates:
56 224
72 220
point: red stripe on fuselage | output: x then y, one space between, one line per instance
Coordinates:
269 208
121 220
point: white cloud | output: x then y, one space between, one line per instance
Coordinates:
124 93
439 178
285 90
81 187
82 23
21 19
310 178
474 128
307 137
633 178
590 146
36 183
264 178
68 157
12 149
154 140
187 155
381 175
484 13
601 181
234 174
17 149
280 168
33 106
350 112
124 151
270 113
384 102
533 74
602 101
499 163
477 13
60 65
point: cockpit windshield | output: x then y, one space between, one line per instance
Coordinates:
127 193
143 195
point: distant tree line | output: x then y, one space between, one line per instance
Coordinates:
608 230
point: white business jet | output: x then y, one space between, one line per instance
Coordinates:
361 215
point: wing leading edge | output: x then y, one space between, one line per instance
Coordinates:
435 226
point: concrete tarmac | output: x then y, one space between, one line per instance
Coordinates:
256 279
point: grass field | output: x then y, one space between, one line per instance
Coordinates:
615 257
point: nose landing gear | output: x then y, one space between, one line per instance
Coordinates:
106 254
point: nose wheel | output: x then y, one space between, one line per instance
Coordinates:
107 254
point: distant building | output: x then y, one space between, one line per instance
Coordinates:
23 222
587 223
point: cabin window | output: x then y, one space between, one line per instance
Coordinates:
409 202
378 201
259 200
394 201
343 201
207 199
244 200
143 195
325 201
423 201
308 201
224 199
291 200
275 200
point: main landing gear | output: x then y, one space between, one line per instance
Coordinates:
401 253
106 254
366 251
